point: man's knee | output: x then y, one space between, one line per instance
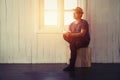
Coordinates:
65 37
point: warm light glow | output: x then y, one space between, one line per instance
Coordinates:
51 10
70 4
50 4
50 18
68 18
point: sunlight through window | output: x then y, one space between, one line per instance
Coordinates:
50 18
68 18
50 12
55 16
69 5
50 4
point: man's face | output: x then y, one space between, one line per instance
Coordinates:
77 15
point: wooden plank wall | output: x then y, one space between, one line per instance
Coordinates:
17 31
20 44
104 18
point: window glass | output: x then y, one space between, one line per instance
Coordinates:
50 4
68 18
70 4
50 18
50 12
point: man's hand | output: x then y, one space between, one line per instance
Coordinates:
67 34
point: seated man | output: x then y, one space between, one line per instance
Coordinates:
77 36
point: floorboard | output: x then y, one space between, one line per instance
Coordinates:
54 72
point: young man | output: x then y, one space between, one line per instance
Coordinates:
77 36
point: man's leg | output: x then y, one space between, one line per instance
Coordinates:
73 49
73 54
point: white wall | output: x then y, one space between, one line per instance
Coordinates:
20 44
18 41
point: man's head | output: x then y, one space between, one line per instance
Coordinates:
78 12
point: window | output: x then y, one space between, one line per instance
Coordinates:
50 13
53 16
69 5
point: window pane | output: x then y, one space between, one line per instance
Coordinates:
50 18
68 18
50 4
70 4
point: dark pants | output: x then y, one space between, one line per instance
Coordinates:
75 43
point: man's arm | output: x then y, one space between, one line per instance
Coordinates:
82 33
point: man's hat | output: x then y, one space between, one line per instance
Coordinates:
78 10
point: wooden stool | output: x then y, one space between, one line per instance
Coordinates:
83 58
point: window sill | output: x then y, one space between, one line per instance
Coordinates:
49 30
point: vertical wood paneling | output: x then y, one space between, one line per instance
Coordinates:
61 49
28 30
9 31
22 48
20 44
16 31
101 32
118 29
92 23
33 35
51 48
109 41
116 18
111 29
3 31
104 25
39 57
0 27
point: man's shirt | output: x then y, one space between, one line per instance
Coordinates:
76 28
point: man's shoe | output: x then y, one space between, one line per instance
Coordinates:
68 68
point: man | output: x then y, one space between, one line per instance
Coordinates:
77 36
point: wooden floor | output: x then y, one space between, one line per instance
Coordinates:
54 72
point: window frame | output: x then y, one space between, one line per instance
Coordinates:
39 18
